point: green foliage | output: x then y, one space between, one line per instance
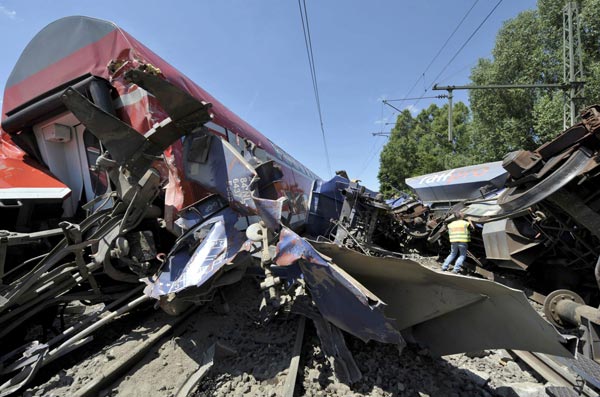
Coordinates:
548 116
504 118
419 145
528 50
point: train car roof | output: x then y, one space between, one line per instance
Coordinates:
72 47
458 184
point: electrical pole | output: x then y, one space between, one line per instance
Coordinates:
572 72
450 122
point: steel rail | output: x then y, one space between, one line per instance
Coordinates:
290 380
553 372
122 364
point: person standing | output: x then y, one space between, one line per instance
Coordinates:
460 237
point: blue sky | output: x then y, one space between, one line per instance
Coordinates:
250 54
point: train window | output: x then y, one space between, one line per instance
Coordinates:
260 154
235 141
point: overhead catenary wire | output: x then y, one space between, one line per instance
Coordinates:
372 152
387 101
435 57
313 73
468 40
381 117
422 75
412 99
464 44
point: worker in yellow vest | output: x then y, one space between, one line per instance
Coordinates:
459 242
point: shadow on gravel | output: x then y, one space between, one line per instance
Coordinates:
262 351
385 371
263 354
55 374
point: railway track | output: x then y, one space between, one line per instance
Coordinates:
223 349
210 351
568 382
565 382
216 349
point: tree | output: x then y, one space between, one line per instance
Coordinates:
419 145
529 50
396 157
504 118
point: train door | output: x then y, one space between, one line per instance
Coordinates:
70 152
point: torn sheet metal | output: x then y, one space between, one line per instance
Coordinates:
515 199
199 255
341 299
270 211
447 313
217 166
209 159
222 170
199 212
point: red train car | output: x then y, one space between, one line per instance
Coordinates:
47 155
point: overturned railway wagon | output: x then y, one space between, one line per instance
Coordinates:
538 212
537 216
119 172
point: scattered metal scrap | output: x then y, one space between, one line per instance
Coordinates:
536 211
251 204
538 219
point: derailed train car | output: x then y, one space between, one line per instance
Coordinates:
537 222
119 170
537 211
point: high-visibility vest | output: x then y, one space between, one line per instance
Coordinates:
459 231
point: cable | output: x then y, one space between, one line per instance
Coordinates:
313 73
422 75
371 157
463 46
392 106
381 118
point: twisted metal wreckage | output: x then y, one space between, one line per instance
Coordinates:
164 146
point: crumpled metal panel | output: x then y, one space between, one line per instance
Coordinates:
199 212
448 313
504 242
514 199
224 171
122 141
269 211
187 266
341 299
